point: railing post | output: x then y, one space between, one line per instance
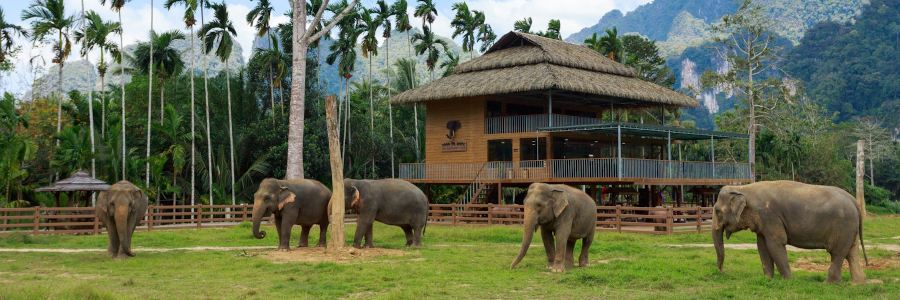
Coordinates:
36 219
453 211
619 218
150 217
490 215
670 222
619 151
200 216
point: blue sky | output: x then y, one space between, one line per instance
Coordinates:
573 14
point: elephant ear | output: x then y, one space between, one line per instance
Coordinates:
560 201
357 201
737 205
102 202
291 197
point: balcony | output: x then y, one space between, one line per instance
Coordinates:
531 123
630 170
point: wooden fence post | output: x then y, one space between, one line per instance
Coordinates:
699 218
619 218
36 219
490 214
453 210
200 216
150 217
670 222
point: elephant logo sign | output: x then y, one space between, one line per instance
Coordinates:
452 144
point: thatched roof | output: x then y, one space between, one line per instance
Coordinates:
80 181
521 62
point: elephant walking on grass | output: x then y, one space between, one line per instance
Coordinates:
121 209
302 202
792 213
565 215
389 201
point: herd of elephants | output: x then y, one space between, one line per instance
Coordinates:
779 212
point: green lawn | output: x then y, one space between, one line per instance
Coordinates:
456 262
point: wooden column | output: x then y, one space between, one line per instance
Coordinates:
619 151
860 174
336 216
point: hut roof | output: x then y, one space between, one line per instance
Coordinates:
521 62
80 181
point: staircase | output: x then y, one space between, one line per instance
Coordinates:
478 190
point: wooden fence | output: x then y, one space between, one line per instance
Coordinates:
83 220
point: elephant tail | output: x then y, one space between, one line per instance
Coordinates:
861 243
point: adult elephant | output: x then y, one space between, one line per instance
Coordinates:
389 201
791 213
565 215
302 202
121 209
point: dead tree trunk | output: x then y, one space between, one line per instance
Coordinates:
860 176
336 208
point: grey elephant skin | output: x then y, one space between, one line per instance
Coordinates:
121 209
301 202
389 201
565 215
791 213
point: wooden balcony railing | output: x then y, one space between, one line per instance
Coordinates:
530 123
537 170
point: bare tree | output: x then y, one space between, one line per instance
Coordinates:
304 33
878 142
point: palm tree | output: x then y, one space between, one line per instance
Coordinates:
259 18
593 42
90 105
276 60
345 49
384 13
164 59
311 8
465 24
190 6
369 46
611 45
523 25
95 35
428 44
450 63
427 11
401 19
553 28
486 36
48 17
117 6
220 31
7 30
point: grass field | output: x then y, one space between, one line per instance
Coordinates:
456 262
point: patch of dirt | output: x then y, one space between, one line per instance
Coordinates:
748 246
317 254
609 260
820 265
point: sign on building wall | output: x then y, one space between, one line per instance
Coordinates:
453 144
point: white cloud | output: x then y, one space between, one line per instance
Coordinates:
573 14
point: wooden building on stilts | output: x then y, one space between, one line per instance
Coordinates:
534 109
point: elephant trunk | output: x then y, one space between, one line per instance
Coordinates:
530 226
720 246
259 212
123 230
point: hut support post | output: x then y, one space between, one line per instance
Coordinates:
712 154
619 151
550 108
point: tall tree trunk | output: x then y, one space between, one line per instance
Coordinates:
102 105
272 93
209 165
193 124
162 101
372 115
415 105
90 116
871 168
149 102
387 64
336 217
122 85
230 128
296 121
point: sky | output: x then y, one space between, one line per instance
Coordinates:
500 14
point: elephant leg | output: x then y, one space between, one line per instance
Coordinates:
304 236
323 234
562 234
570 253
834 271
409 234
113 248
284 235
856 271
585 248
417 235
362 227
764 257
277 223
778 253
547 238
369 242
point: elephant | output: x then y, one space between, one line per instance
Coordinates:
389 201
565 215
302 202
121 209
791 213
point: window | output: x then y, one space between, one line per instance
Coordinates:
500 150
518 110
533 149
494 109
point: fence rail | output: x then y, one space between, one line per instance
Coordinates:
579 168
83 220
